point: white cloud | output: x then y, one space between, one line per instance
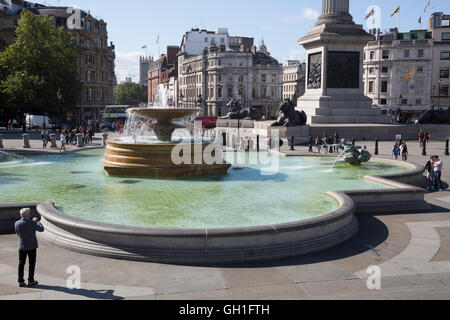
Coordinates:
297 55
127 63
307 14
310 14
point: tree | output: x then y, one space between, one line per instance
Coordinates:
129 93
40 63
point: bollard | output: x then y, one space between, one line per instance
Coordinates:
80 140
53 141
26 141
424 148
224 139
1 141
377 147
310 144
447 151
257 143
292 143
353 141
105 138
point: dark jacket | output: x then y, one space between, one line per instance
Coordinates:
26 230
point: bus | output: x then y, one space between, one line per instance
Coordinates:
116 115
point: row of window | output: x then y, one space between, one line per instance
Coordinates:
265 92
90 76
91 94
91 60
385 54
220 78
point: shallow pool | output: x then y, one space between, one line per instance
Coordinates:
260 189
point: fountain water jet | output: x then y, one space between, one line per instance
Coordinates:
155 159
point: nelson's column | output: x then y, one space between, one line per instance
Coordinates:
334 83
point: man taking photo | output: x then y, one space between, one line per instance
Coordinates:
26 230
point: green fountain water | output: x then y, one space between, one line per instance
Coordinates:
78 185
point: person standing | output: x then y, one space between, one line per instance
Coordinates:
437 166
63 141
44 138
28 245
404 151
429 170
396 151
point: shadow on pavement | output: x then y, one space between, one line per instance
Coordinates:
91 294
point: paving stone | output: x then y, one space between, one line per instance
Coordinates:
202 295
285 292
315 272
253 277
327 288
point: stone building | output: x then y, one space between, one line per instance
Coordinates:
294 80
398 71
196 40
220 74
95 58
439 25
160 71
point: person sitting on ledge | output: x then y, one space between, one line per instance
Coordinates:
28 245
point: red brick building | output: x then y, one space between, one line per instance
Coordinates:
161 70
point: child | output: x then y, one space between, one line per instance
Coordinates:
63 141
396 151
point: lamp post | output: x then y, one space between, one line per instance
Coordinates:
439 95
59 96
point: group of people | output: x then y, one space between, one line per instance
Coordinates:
327 144
433 170
69 136
424 138
12 124
400 149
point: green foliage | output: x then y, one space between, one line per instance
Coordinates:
40 62
129 93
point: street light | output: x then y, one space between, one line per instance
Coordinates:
439 95
59 96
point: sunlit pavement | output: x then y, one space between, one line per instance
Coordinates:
412 250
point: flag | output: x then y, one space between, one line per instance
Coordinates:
157 40
410 75
371 13
396 11
144 47
428 4
420 20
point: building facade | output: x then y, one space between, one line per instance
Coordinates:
160 71
439 25
294 80
398 70
220 74
196 40
95 58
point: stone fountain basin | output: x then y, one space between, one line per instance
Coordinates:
228 245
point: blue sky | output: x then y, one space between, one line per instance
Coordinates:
134 23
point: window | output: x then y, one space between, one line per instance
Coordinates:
241 78
404 101
418 101
372 55
445 36
445 23
230 91
384 69
100 44
274 78
219 91
370 86
383 102
365 56
420 53
219 78
444 91
222 40
384 86
419 69
445 55
263 78
406 53
206 39
385 54
220 62
371 70
274 93
444 74
89 94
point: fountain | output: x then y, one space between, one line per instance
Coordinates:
160 158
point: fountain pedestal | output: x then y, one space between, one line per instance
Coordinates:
163 160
